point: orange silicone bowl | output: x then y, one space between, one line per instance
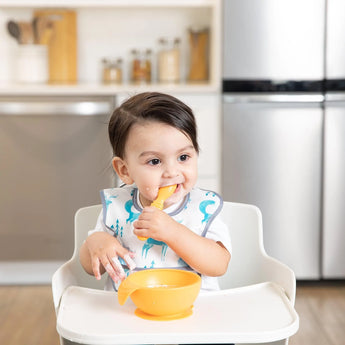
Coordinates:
161 293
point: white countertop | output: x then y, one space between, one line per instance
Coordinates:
100 89
107 3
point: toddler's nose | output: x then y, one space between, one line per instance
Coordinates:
170 170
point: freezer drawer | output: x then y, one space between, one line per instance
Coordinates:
272 158
333 246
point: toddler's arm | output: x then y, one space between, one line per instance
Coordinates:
204 255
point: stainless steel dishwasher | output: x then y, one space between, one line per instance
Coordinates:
54 159
272 158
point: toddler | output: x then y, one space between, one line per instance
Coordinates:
154 141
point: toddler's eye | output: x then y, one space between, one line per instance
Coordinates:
154 161
183 158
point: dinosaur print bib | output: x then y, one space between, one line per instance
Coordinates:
121 209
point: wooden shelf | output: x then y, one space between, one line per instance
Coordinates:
100 89
107 3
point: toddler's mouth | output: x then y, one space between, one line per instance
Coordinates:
178 186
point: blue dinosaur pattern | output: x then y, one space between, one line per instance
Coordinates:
132 216
203 206
149 243
108 200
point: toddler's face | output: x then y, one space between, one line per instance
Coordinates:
159 155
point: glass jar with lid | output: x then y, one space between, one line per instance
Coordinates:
112 71
169 60
141 66
199 54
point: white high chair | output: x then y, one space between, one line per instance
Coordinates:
255 305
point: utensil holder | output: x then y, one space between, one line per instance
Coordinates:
31 64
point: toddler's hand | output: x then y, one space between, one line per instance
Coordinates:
154 223
104 250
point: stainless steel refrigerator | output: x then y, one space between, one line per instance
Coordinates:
333 221
284 126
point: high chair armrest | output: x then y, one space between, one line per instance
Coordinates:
275 271
63 278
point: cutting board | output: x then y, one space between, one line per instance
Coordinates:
62 45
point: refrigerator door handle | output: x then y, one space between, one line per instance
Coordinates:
273 98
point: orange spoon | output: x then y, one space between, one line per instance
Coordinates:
163 194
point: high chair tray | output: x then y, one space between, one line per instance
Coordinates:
255 313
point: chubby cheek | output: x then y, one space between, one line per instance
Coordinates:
191 178
148 191
147 183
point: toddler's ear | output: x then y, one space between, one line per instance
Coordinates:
121 169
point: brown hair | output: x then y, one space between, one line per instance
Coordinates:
150 106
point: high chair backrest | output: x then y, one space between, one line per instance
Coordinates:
244 223
245 227
249 263
85 220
